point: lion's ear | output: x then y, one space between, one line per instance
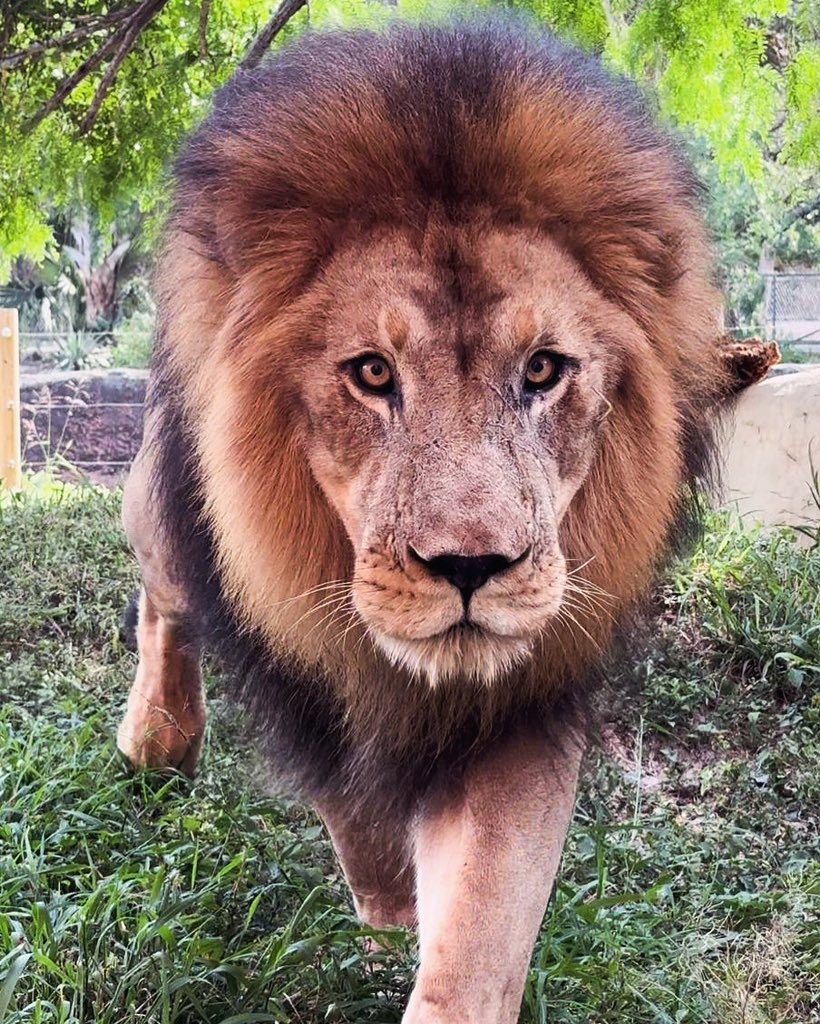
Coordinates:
747 362
288 246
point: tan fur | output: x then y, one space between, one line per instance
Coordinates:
164 722
377 863
165 718
341 210
486 859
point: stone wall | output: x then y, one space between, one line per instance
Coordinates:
91 419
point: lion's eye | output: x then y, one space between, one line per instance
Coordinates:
373 374
543 370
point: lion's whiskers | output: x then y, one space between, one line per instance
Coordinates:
327 618
367 634
335 601
352 620
566 612
582 599
319 588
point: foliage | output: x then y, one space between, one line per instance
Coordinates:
92 277
690 888
134 340
750 218
790 354
160 91
743 76
77 350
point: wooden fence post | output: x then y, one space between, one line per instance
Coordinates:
10 455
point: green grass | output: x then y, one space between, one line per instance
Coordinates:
789 353
690 890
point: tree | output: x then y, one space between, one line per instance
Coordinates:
95 95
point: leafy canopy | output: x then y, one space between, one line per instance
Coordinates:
741 76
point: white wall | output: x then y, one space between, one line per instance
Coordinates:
767 468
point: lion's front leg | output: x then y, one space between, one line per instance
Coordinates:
165 718
486 859
377 862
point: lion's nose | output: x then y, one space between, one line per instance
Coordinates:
467 572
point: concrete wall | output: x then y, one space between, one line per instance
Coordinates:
769 448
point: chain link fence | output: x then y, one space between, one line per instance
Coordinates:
792 308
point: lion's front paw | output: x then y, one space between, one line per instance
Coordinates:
153 736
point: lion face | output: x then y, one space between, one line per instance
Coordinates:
454 404
438 372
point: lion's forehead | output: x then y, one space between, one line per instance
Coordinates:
479 292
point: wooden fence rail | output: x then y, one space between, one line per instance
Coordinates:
10 454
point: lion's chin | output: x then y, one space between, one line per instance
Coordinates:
462 652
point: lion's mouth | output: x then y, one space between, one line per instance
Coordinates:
467 630
463 628
464 649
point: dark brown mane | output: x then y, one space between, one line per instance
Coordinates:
342 132
363 128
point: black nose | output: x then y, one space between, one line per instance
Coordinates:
466 572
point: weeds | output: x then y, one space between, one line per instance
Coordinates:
78 350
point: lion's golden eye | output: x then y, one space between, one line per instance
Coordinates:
543 370
373 374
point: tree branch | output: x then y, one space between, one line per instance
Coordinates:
281 16
147 11
802 212
71 83
77 19
37 50
204 12
122 42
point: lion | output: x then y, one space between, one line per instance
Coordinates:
434 392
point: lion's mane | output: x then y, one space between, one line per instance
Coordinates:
338 132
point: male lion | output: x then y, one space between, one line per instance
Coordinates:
435 378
